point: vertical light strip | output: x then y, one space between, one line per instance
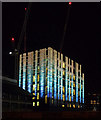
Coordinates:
29 72
55 73
69 79
51 54
48 78
36 57
66 78
76 82
58 75
83 87
24 70
61 76
72 83
80 83
42 72
32 58
20 67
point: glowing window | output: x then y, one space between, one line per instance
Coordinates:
63 97
73 106
73 77
94 101
37 103
70 106
33 78
91 102
34 87
63 89
78 106
38 87
73 84
33 98
33 103
63 105
63 65
38 78
73 92
63 72
46 99
37 96
33 93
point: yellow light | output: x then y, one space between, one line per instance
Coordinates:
38 77
63 89
63 105
37 96
70 105
33 93
63 97
78 106
33 78
37 86
34 87
33 98
63 72
73 92
73 84
91 102
73 77
63 65
33 103
46 99
37 103
73 106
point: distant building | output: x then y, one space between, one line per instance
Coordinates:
52 78
93 102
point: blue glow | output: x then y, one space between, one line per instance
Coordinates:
72 88
29 77
20 71
58 81
51 75
66 84
80 88
69 87
55 73
61 81
24 70
36 74
48 76
76 87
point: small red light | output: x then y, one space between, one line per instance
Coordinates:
25 9
12 39
70 3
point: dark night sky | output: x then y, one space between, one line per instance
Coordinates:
45 28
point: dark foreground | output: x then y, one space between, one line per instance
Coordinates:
47 115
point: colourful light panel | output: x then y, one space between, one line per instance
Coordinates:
61 77
58 75
24 70
20 70
66 79
76 82
36 57
55 73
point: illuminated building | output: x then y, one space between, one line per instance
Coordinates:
52 78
